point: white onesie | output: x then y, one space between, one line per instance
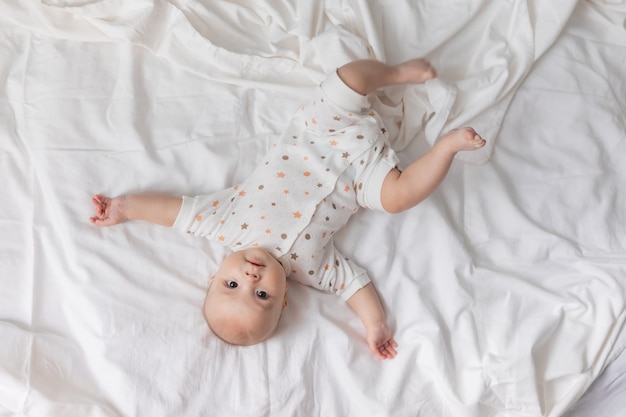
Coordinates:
332 158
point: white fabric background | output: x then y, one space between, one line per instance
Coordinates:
505 289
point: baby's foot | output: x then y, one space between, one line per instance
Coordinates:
463 139
417 70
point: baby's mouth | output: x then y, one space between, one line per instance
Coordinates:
255 262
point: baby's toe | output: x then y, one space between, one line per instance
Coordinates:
478 141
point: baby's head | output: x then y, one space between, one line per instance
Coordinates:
246 297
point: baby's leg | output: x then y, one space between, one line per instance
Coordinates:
403 190
368 75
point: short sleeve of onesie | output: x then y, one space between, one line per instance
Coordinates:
328 270
191 208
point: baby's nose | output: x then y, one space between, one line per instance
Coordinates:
253 274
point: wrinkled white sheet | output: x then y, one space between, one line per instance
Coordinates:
506 289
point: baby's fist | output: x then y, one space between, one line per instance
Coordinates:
109 211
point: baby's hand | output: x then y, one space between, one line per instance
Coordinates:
109 211
380 341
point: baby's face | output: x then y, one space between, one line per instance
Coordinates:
246 297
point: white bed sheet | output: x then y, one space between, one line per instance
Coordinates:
506 289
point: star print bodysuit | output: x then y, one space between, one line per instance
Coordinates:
332 158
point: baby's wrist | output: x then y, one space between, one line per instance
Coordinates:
375 324
123 207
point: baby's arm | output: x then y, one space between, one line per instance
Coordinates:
154 208
403 190
367 306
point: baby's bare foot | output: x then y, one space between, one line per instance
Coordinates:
463 139
417 70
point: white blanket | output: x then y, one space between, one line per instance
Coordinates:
506 289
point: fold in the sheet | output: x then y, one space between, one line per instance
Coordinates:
512 36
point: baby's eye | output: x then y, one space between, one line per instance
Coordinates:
231 284
261 294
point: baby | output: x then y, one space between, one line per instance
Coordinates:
333 158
